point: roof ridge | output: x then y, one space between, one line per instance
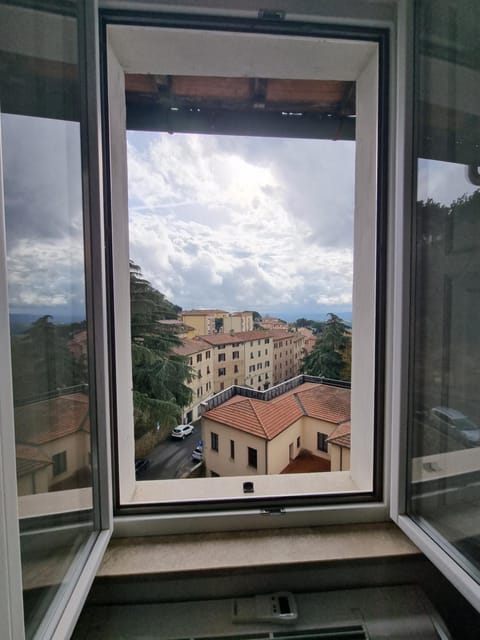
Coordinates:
296 395
258 417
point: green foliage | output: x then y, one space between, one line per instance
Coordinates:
159 375
42 362
332 351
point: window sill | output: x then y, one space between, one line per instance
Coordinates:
249 549
149 491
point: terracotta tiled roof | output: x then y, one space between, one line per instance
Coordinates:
267 418
241 336
326 403
341 435
190 346
30 459
47 420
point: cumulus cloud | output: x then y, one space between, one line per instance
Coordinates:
43 211
235 222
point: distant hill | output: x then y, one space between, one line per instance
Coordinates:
20 322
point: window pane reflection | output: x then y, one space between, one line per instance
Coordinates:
45 252
444 492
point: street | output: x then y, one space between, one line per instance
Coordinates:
171 458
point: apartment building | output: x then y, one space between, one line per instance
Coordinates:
201 360
310 339
241 358
273 323
288 351
203 321
272 434
211 321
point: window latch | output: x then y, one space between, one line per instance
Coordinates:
274 511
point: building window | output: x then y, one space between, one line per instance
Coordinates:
232 449
322 444
267 340
222 371
221 357
259 353
298 442
236 355
252 457
199 357
214 441
208 370
222 386
207 355
251 355
267 364
235 368
59 461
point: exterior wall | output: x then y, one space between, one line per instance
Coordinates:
339 457
32 483
234 368
77 448
202 385
220 462
258 363
287 356
272 456
312 426
198 324
279 448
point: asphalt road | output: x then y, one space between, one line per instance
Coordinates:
171 459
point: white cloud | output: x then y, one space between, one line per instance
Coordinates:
242 222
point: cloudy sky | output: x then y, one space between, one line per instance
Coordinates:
225 222
243 223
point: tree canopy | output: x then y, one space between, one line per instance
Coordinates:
331 354
159 374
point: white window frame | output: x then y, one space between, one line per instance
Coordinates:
125 38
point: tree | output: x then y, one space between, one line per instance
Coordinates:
328 356
159 374
43 362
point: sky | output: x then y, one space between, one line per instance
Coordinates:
229 222
240 223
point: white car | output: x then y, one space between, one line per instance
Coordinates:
457 425
181 431
197 453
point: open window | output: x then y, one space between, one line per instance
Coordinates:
213 89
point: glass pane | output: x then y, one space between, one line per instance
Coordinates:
43 209
445 375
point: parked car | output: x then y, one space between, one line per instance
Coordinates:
197 453
141 464
181 431
457 425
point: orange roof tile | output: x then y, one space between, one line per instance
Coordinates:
190 346
241 336
341 435
30 459
47 420
267 418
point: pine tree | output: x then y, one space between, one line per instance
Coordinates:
159 375
327 357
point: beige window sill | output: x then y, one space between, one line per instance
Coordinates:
250 549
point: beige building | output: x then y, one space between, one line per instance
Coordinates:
271 433
288 352
309 337
211 321
273 323
202 321
53 444
242 359
201 360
